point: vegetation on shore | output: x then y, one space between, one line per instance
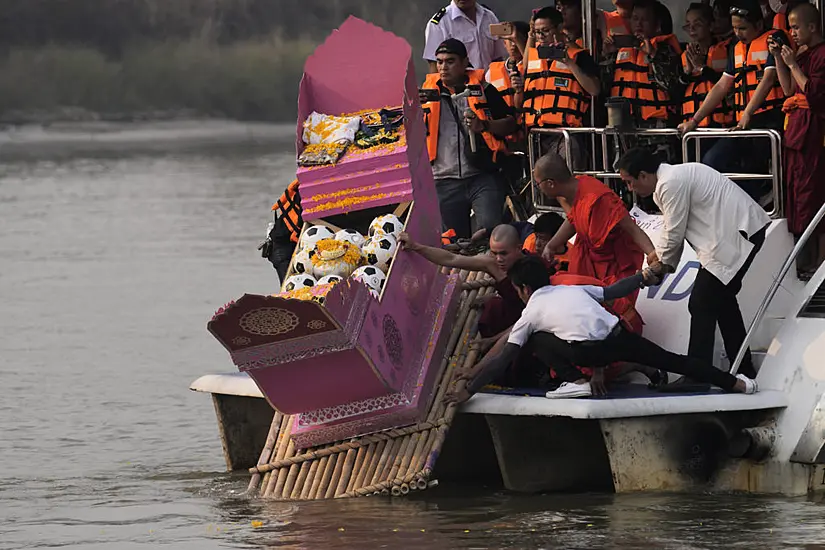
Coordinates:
116 59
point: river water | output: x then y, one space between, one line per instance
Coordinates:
112 259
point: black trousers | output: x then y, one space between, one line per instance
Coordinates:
712 302
623 345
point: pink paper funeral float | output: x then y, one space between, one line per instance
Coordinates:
357 363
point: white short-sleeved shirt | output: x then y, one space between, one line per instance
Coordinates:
482 47
572 313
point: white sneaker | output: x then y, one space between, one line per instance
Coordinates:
569 389
750 385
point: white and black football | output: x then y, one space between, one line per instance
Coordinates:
351 236
313 235
297 282
388 224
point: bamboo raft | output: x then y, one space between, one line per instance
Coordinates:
394 461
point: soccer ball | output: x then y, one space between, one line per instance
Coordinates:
330 280
388 224
351 236
297 282
379 250
371 276
313 235
303 262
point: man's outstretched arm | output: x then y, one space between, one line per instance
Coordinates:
439 256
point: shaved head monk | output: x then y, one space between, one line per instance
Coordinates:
609 245
802 76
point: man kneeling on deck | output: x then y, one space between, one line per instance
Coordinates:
569 321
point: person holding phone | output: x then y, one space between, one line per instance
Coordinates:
802 76
560 81
505 75
703 62
648 72
758 95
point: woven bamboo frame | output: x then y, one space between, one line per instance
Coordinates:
393 462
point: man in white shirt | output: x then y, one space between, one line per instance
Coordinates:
580 329
469 22
724 226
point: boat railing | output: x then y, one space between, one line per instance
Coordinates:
613 143
777 282
775 199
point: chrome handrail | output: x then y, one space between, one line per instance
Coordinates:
776 145
777 282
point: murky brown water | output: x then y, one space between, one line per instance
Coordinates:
110 265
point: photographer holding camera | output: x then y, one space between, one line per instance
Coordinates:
560 80
648 66
467 121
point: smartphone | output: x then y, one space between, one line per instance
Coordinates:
626 41
556 53
779 39
501 29
429 95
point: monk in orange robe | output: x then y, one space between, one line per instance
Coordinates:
802 76
609 246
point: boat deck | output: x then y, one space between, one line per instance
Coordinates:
626 402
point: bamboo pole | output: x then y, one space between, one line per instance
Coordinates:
399 457
407 458
359 465
328 471
319 474
291 477
309 482
266 453
294 492
283 473
346 472
340 447
384 469
382 460
376 456
336 475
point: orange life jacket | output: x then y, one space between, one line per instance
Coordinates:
478 104
631 79
698 88
615 23
780 22
749 62
499 77
552 95
290 209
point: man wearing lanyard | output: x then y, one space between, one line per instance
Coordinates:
725 227
469 22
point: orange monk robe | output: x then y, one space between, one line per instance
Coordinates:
601 250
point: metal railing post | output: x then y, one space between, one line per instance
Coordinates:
777 282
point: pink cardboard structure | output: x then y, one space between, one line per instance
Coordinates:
357 364
338 81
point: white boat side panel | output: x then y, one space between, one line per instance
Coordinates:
233 383
665 308
596 409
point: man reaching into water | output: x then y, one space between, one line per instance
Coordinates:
570 321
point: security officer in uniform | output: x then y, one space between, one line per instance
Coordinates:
469 22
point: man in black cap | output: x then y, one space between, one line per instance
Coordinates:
466 124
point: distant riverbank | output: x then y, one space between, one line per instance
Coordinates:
254 79
70 137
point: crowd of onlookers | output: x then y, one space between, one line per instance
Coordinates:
740 69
